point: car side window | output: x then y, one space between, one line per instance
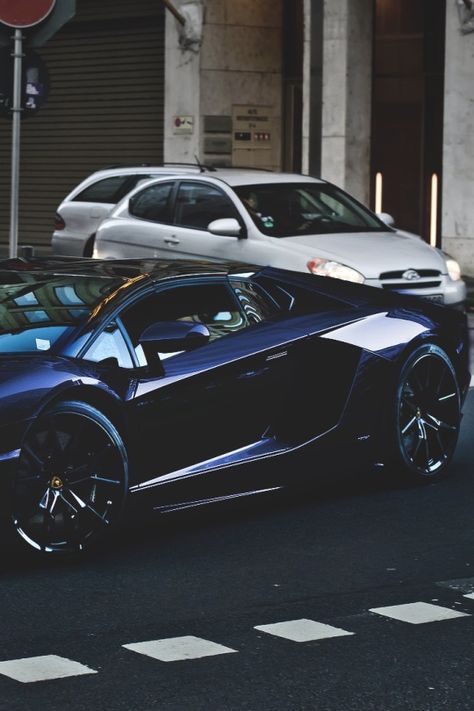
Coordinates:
152 203
105 190
197 205
110 344
211 304
256 305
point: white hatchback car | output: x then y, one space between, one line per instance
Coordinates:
82 211
282 220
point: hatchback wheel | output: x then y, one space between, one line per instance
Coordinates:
71 482
427 413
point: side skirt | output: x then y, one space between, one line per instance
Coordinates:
169 508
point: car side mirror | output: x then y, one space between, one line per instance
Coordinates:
225 227
173 336
385 217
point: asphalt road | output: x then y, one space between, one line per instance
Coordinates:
218 574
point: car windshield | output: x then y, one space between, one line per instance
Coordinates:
36 310
292 209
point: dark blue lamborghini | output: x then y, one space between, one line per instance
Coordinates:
167 385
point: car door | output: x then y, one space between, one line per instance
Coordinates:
145 230
210 403
197 204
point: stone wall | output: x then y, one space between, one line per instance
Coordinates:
238 64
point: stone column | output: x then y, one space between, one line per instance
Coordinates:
182 90
347 84
457 228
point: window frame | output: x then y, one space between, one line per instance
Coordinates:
202 183
117 195
169 206
92 341
234 278
155 288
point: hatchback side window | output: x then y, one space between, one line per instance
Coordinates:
152 203
197 205
211 304
105 190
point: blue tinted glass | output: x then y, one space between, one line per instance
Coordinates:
32 340
28 299
35 316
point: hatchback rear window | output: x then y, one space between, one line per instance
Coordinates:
107 190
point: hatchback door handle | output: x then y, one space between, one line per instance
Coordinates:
171 240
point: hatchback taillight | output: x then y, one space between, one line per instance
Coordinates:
59 223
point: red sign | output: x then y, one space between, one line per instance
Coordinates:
24 13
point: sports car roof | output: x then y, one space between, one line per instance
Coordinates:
124 269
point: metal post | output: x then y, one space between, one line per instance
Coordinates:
15 164
174 11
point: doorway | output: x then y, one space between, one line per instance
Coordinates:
407 113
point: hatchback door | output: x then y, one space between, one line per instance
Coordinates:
144 230
197 205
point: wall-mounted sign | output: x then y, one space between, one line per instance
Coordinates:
253 137
183 124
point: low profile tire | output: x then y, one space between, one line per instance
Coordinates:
427 415
71 482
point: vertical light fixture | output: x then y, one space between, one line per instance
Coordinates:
378 192
434 210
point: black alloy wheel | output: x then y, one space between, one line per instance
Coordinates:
427 413
72 479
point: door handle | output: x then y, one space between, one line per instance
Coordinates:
171 240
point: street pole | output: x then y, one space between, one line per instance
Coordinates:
15 164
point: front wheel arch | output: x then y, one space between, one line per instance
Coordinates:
71 481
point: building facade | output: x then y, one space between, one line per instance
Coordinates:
374 95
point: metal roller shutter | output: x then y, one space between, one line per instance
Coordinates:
105 107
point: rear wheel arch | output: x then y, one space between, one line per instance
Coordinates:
428 408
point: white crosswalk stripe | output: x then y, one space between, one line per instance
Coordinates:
303 630
176 649
418 613
42 668
189 647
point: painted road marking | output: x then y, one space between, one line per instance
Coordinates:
303 630
176 649
470 596
464 585
418 613
43 668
